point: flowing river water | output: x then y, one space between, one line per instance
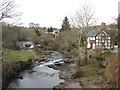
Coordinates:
43 76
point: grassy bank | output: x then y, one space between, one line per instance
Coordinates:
100 71
15 61
12 55
90 76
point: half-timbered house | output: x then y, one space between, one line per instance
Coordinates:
99 39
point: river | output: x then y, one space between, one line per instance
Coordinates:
43 76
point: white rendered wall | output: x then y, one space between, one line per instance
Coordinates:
88 42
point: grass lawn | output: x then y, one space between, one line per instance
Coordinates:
12 55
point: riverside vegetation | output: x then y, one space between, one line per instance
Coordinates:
13 62
93 67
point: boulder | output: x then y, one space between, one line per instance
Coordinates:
58 64
19 76
31 71
61 76
68 60
52 66
30 61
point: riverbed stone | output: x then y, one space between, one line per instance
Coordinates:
67 60
31 71
30 61
58 64
19 76
52 66
61 76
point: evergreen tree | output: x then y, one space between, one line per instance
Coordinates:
65 25
50 29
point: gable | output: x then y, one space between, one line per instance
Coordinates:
103 33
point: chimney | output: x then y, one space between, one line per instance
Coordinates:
103 25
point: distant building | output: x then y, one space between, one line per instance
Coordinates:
55 31
52 30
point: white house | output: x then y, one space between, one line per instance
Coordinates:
91 43
99 39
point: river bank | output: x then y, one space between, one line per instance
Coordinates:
53 72
13 62
89 76
54 66
66 71
40 76
9 76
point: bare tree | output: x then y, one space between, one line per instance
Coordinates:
7 9
36 27
84 17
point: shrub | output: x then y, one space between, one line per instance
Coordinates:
106 53
112 70
10 36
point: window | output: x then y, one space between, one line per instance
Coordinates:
108 40
108 37
105 43
92 38
96 43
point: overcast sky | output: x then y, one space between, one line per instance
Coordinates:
52 12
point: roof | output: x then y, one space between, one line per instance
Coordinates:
93 32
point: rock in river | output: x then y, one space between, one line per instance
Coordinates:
19 76
61 76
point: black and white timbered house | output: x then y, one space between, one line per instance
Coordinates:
99 39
